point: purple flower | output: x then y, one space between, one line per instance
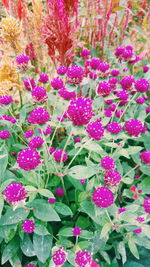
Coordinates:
120 210
83 258
103 66
95 130
36 142
29 84
15 192
52 200
77 140
119 51
75 74
107 163
127 82
145 157
59 257
28 159
112 178
76 231
61 70
22 61
107 112
134 127
52 149
85 53
28 134
28 226
4 134
60 192
104 89
39 116
145 68
140 219
146 205
137 231
43 78
39 94
82 181
57 83
92 75
142 85
5 100
114 72
66 94
94 63
123 95
140 100
114 127
60 155
30 265
103 197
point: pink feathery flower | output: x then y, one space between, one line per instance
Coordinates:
28 159
145 157
43 78
4 134
15 192
57 83
142 85
38 116
122 94
36 142
28 134
60 192
83 258
29 84
114 127
112 178
137 231
85 53
61 70
80 111
39 94
120 210
76 231
66 94
114 72
5 100
146 205
94 63
134 127
52 200
103 197
28 226
103 66
75 74
107 163
59 257
104 89
60 155
95 130
127 82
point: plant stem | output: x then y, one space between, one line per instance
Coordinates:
127 106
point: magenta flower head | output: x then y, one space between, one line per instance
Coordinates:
122 94
80 111
95 130
67 94
92 75
145 68
114 127
121 210
82 181
85 53
140 100
103 197
147 109
94 63
28 226
75 74
113 107
119 113
22 61
145 157
52 149
103 66
114 72
140 219
112 178
77 139
29 84
52 200
134 127
104 89
146 205
59 257
43 78
57 83
61 70
39 94
108 101
38 116
28 159
107 112
28 134
107 163
127 82
60 192
36 142
119 51
137 231
76 231
30 265
4 134
8 118
15 192
127 54
142 85
113 81
5 100
60 155
83 258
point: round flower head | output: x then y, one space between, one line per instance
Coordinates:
4 134
77 140
107 112
134 127
127 54
75 74
145 68
60 192
114 72
52 149
52 200
103 66
94 264
140 219
57 83
112 178
93 75
119 51
61 70
147 109
137 231
120 210
5 100
107 163
43 78
123 95
28 134
142 85
85 53
28 226
60 155
8 118
113 81
15 192
13 154
80 111
30 265
114 127
83 258
95 130
76 231
103 197
22 61
36 142
140 100
82 181
127 82
28 159
113 107
29 84
66 94
39 116
145 157
118 113
59 257
108 101
94 63
104 89
39 94
146 205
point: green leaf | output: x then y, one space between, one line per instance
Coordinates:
133 247
15 261
106 228
1 204
146 139
40 229
145 185
82 172
14 216
86 234
66 231
42 246
105 256
3 160
145 169
63 209
27 246
122 251
10 250
44 212
45 193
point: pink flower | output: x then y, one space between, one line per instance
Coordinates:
140 100
127 54
4 134
103 66
107 163
28 159
119 113
43 78
75 74
134 127
104 89
108 101
15 192
85 53
61 70
28 134
77 139
119 51
60 192
83 258
22 61
113 107
95 130
123 95
147 109
52 200
103 197
142 85
8 118
127 82
140 219
107 112
29 84
59 257
36 142
67 94
113 81
57 83
145 157
28 226
39 94
93 75
114 72
137 231
76 231
5 100
120 210
114 127
52 149
94 264
82 181
112 178
30 265
39 116
94 63
145 68
146 205
60 155
47 131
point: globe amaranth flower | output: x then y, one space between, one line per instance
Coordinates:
83 258
121 210
114 72
113 107
145 157
43 78
60 155
103 197
142 85
28 159
80 111
82 181
134 127
112 178
76 231
127 82
85 53
140 100
95 130
113 81
22 61
36 142
8 118
107 163
108 101
127 54
57 83
145 68
107 112
5 100
13 154
29 84
30 265
140 219
119 51
15 192
103 66
114 127
94 264
137 231
60 192
146 205
52 149
94 63
52 200
28 226
38 116
39 94
75 74
64 93
61 70
122 94
92 75
59 257
77 139
47 131
118 113
4 134
147 109
104 89
28 133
